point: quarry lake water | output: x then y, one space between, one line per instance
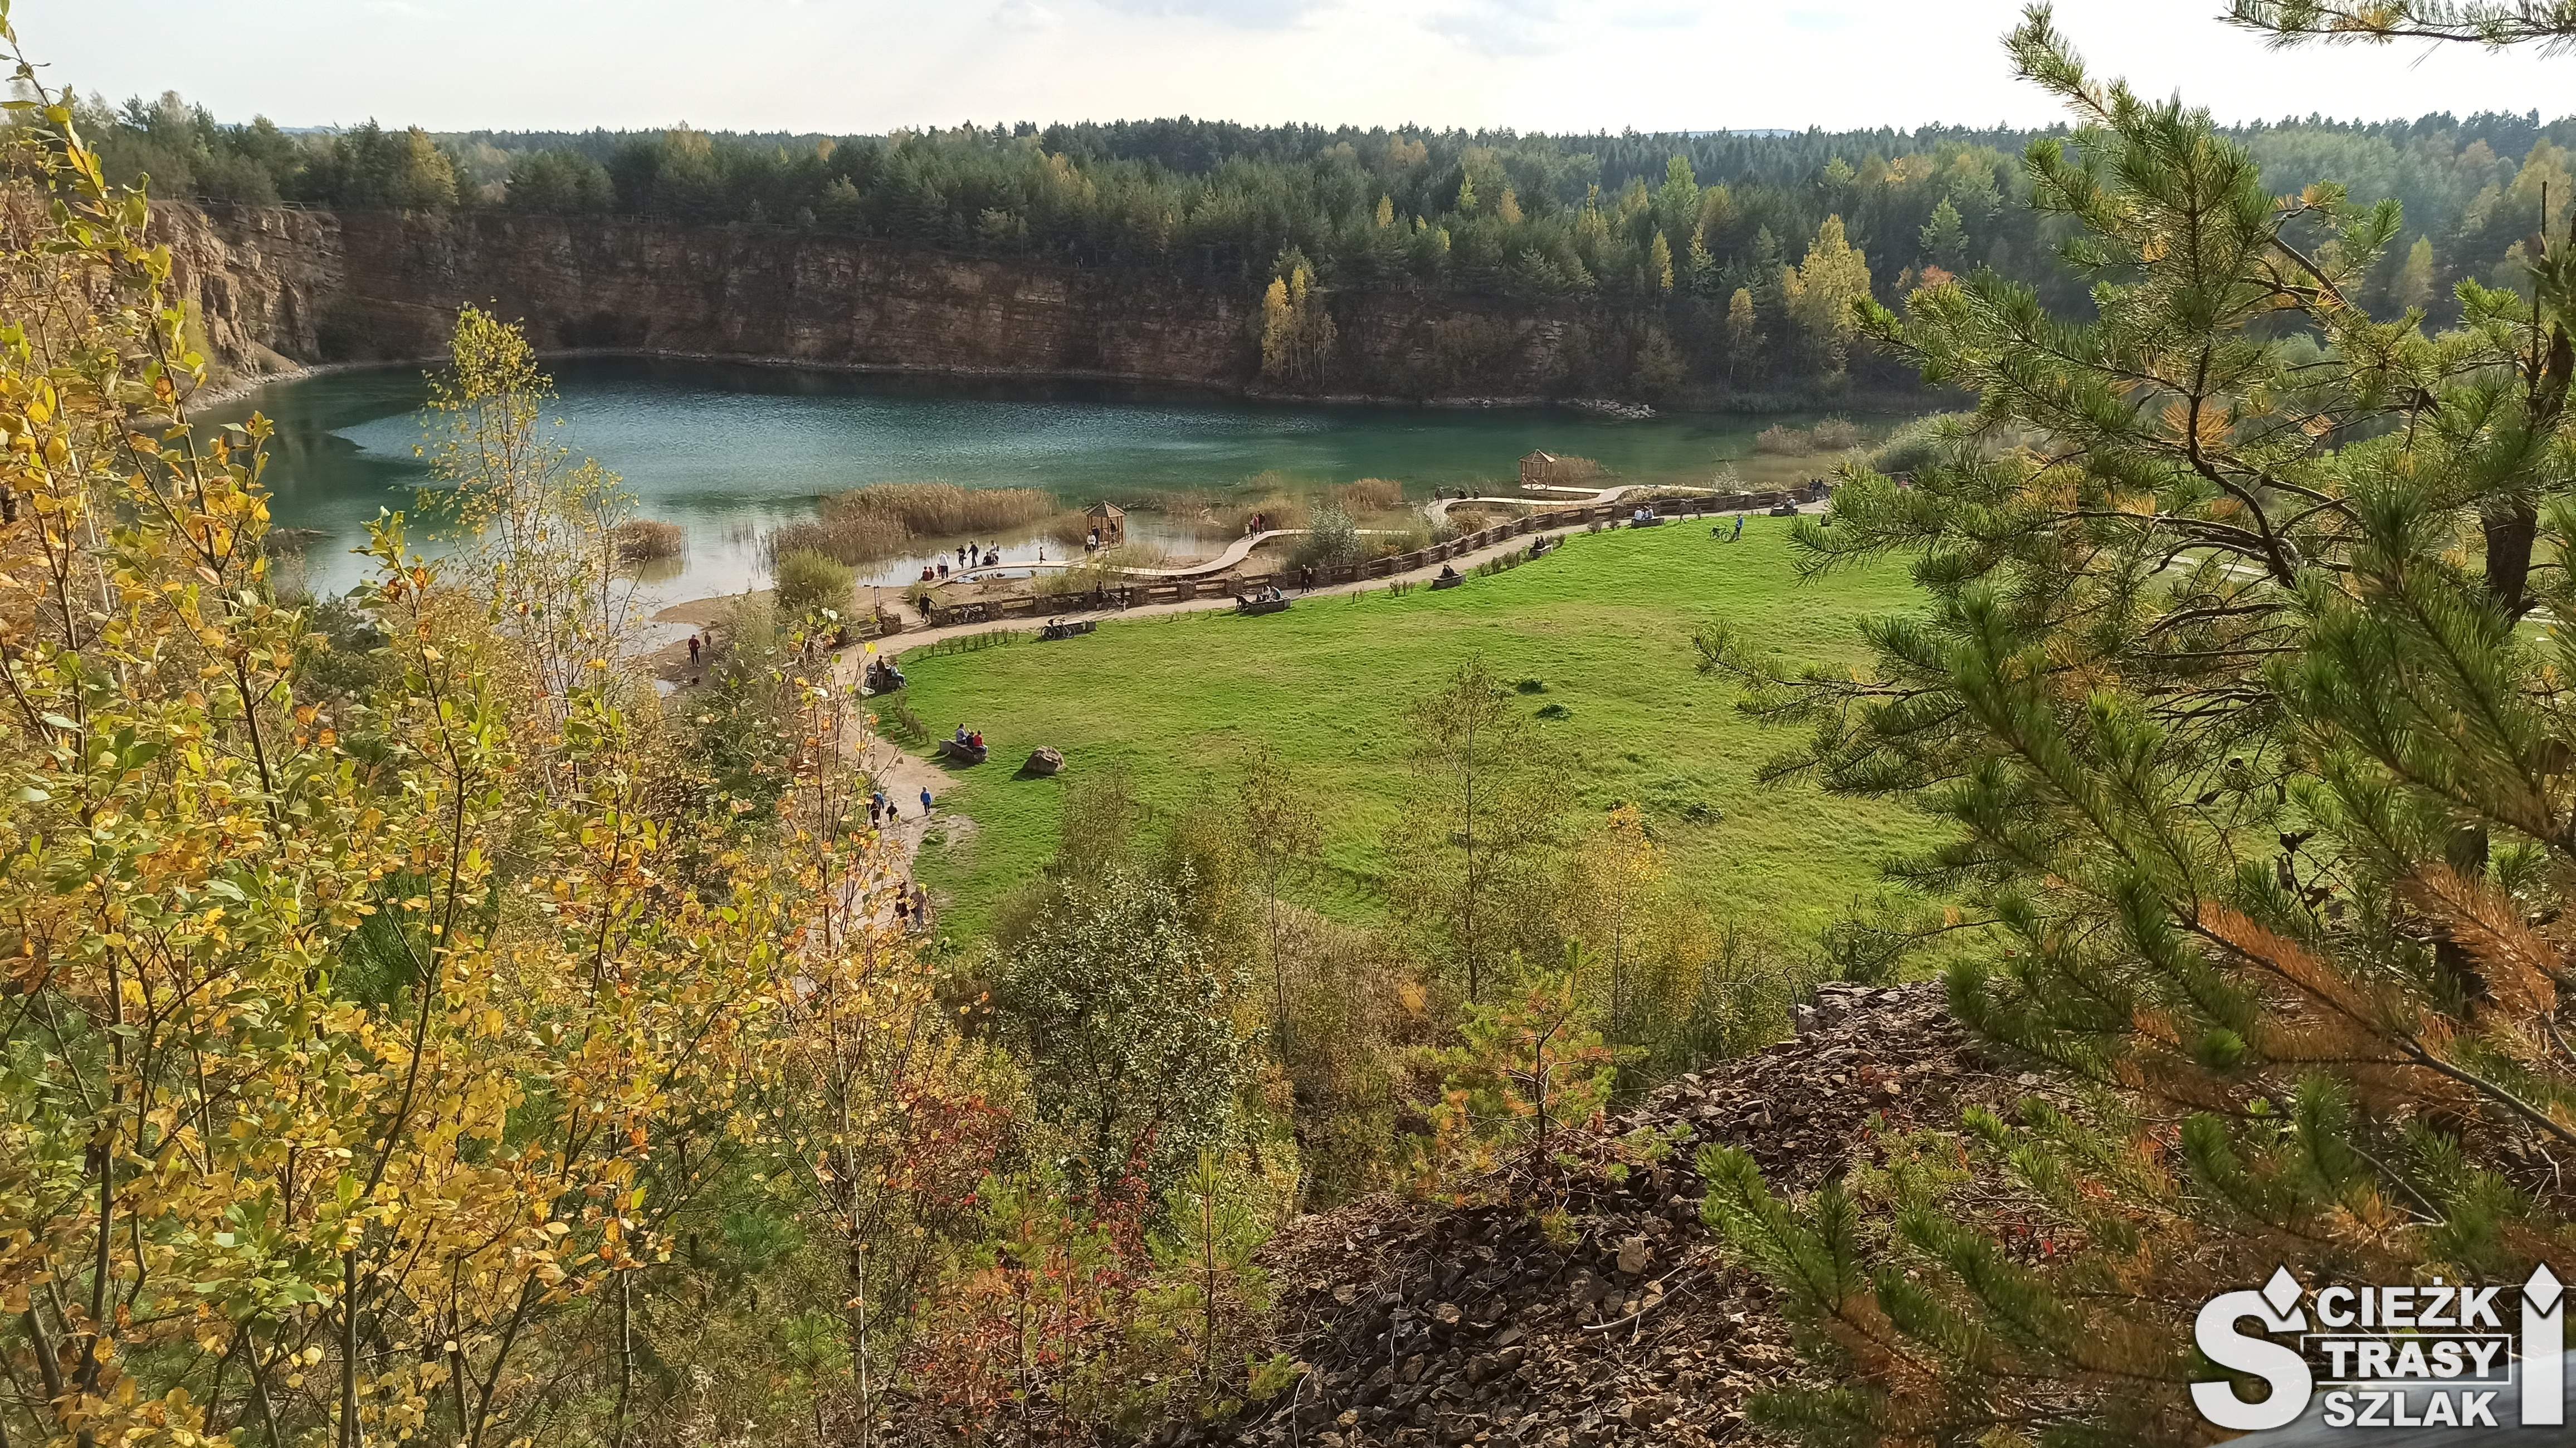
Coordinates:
729 451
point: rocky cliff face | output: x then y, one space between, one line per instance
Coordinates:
258 280
276 287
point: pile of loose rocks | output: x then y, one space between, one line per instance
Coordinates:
1612 1318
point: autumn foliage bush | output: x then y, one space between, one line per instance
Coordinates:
441 1042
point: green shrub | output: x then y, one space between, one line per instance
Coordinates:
807 581
1915 445
1331 539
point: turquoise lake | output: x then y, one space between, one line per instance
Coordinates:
729 451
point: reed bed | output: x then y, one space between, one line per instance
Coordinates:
888 519
1370 495
851 538
938 509
648 540
1834 434
1278 510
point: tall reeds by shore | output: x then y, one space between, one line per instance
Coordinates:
1834 434
648 540
885 520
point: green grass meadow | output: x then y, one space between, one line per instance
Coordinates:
1606 623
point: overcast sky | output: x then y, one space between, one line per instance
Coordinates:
871 65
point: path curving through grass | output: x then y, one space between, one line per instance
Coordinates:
1603 624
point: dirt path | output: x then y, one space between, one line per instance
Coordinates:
1437 510
1235 552
904 775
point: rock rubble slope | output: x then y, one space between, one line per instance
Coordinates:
1618 1322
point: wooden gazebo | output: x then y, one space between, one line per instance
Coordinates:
1547 469
1106 522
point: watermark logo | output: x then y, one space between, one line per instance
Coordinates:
2392 1357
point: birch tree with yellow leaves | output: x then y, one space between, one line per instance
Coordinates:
361 1049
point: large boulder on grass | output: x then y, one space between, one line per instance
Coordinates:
1047 760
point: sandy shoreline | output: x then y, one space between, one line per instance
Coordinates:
232 387
670 663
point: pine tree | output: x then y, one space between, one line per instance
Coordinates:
1315 332
1487 793
1945 236
1525 1067
1210 1293
1743 332
2414 284
1677 201
2262 804
1657 369
1659 264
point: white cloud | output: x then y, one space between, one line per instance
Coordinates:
871 65
1506 27
1025 15
1249 14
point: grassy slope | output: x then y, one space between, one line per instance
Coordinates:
1178 702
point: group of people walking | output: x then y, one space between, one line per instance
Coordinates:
911 903
884 810
911 907
970 555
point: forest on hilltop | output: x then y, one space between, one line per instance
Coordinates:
1720 258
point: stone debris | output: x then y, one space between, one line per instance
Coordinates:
1423 1324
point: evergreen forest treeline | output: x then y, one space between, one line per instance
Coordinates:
1726 259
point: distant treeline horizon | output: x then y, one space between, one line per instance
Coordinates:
1712 258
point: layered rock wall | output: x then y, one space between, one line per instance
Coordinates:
277 287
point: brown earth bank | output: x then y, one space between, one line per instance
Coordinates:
1425 1323
280 288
